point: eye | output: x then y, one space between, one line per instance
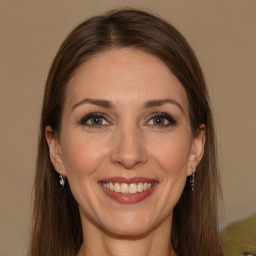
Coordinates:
161 120
94 120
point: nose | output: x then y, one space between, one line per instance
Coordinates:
129 148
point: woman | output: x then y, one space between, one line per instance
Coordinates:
127 133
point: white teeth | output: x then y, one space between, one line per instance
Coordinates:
133 188
111 186
140 187
125 188
117 188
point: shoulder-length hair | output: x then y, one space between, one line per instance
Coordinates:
56 222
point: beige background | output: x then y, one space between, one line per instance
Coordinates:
223 34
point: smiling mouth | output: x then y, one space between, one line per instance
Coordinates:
128 191
125 188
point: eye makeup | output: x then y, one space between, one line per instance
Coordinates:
161 120
156 120
94 120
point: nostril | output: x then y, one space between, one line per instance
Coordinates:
128 163
129 160
128 148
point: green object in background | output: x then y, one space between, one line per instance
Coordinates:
240 237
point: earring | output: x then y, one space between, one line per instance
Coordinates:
192 178
61 181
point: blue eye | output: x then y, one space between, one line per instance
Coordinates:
97 120
94 120
161 120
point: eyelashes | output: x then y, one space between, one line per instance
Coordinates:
161 119
94 119
97 120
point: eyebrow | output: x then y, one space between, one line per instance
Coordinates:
97 102
156 103
148 104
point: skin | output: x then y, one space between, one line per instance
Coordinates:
129 142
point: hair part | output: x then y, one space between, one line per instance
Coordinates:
57 226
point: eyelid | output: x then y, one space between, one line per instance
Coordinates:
85 118
167 116
89 116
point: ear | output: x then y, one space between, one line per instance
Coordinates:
55 150
197 150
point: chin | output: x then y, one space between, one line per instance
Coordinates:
131 231
130 225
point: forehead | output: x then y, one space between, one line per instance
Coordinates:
122 76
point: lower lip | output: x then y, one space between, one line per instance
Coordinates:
129 198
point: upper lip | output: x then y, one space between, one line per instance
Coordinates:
128 180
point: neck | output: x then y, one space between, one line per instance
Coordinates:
98 242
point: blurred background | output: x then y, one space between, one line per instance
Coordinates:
223 35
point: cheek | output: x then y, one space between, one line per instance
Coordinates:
171 160
81 155
82 158
172 154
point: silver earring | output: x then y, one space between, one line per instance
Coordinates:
61 181
192 178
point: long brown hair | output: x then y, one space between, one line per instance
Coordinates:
56 222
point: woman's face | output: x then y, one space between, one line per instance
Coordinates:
126 144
